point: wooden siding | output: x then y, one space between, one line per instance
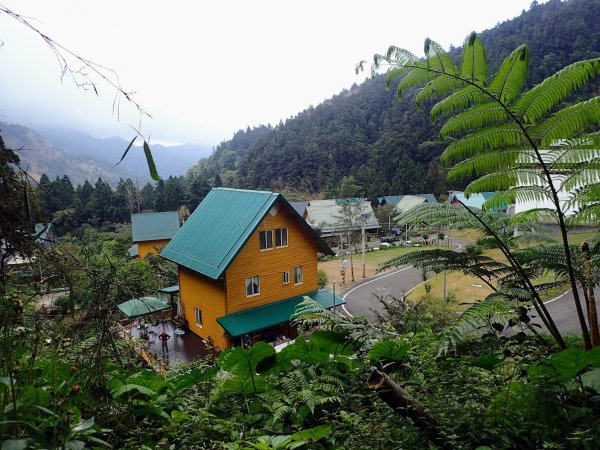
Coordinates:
270 265
198 291
146 247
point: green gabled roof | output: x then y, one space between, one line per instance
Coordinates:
154 226
220 226
272 314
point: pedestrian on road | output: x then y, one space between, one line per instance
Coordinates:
164 337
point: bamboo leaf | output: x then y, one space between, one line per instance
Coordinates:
126 151
150 161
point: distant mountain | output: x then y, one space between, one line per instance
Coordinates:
170 160
391 147
38 156
83 157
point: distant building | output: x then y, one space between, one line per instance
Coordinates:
395 199
327 216
150 232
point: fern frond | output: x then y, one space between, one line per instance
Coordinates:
458 101
516 182
483 163
474 66
473 319
437 214
394 73
531 193
545 215
507 83
437 58
493 138
418 76
438 260
437 87
540 100
567 122
474 118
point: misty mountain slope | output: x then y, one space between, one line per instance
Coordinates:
170 160
38 156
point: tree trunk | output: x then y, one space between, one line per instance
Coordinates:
406 406
590 298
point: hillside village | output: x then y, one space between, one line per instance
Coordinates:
426 281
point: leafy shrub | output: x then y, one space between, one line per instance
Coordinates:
473 249
322 279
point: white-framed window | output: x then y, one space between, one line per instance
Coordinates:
198 315
266 240
286 278
252 286
281 237
298 275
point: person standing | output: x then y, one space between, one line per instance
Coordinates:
164 337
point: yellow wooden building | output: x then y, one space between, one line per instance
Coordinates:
246 259
151 232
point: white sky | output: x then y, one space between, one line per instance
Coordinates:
207 69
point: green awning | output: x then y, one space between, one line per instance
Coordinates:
142 306
267 316
170 289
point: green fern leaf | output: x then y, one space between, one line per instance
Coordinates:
437 87
553 90
567 122
477 117
418 76
493 138
508 82
475 317
392 74
483 163
458 101
437 59
474 66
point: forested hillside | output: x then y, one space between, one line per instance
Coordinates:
387 145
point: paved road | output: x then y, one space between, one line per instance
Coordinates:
362 299
563 312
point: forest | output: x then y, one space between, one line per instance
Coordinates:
420 376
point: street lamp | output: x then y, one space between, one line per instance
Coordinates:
333 295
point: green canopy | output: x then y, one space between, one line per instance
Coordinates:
142 306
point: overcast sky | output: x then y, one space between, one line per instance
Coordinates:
204 70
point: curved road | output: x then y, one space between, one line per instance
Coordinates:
362 299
